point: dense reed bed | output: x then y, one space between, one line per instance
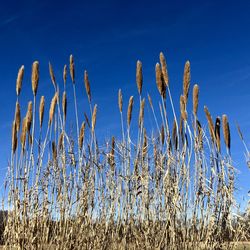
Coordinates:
169 188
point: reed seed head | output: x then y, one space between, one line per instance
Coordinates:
64 105
82 134
64 74
87 85
183 108
54 151
186 80
29 116
217 133
159 81
72 68
210 123
164 69
19 80
139 77
120 101
162 135
52 75
18 116
35 77
52 107
226 131
141 115
23 133
41 110
14 137
94 119
130 108
195 99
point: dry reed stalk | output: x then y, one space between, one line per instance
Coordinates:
64 74
159 81
111 158
139 77
145 144
239 131
186 80
41 110
94 119
217 133
87 85
183 108
29 116
23 133
72 68
120 101
54 151
210 123
35 77
52 107
130 108
19 80
195 99
64 105
174 135
200 134
226 131
82 134
18 116
141 114
164 69
14 137
52 75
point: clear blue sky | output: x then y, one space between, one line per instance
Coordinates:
107 37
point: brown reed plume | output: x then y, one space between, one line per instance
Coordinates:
35 77
82 134
14 137
210 123
217 133
186 80
139 77
18 116
130 108
41 110
162 135
164 69
72 68
60 141
52 75
64 105
19 80
111 158
94 119
54 150
29 116
159 80
226 131
195 99
52 107
145 144
120 101
64 75
23 133
141 114
174 135
183 108
87 85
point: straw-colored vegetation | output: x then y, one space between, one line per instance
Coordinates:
169 188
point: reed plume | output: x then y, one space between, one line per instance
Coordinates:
87 85
226 131
72 68
64 105
120 101
145 144
19 80
217 133
162 135
64 74
195 99
183 108
23 133
35 77
141 114
186 80
54 150
159 81
14 137
130 108
41 110
210 123
82 134
94 119
17 116
52 107
139 77
111 158
29 116
164 69
52 75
